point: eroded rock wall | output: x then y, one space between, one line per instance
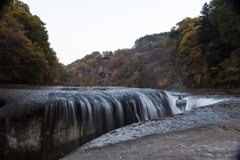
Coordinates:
99 72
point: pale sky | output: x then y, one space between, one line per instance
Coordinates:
79 27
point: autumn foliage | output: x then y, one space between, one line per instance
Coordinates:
196 53
25 53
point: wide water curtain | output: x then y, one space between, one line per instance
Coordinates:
64 118
102 111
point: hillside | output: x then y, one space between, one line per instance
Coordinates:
25 53
197 52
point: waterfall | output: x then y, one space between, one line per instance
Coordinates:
172 101
103 111
194 102
69 116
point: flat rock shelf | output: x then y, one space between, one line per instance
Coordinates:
210 132
51 122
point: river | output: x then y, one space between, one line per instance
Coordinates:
50 122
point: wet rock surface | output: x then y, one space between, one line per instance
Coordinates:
211 132
44 122
49 122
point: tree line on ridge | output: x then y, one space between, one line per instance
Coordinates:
197 52
201 52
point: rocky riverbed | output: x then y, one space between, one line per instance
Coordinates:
210 132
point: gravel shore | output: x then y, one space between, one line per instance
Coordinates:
210 132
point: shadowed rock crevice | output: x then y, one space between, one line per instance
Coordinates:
2 102
223 128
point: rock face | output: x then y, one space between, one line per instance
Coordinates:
98 72
81 73
103 72
48 123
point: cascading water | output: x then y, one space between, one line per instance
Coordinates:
193 101
50 122
58 120
172 102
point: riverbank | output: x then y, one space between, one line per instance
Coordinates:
211 132
37 105
209 91
19 86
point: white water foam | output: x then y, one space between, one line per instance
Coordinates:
194 102
172 102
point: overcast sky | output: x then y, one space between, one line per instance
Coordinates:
79 27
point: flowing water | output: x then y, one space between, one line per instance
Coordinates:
50 122
194 101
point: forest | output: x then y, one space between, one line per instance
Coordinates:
200 52
25 53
